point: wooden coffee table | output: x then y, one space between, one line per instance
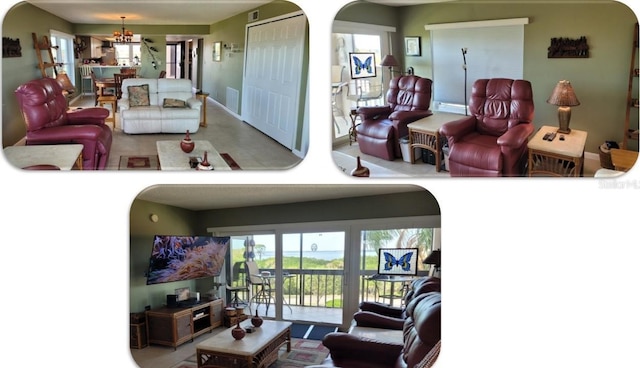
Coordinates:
258 349
171 157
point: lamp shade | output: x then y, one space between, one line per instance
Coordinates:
389 60
563 95
433 258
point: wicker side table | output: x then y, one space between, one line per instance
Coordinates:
564 156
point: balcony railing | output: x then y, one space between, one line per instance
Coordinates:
323 288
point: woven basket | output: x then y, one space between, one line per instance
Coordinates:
605 157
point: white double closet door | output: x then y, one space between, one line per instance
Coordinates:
271 92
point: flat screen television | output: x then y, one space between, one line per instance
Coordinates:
398 261
179 258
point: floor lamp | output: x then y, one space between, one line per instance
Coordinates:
464 66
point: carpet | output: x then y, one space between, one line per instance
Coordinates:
139 163
311 332
230 161
303 353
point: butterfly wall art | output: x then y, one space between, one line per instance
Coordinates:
398 261
363 64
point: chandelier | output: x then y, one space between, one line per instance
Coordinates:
125 36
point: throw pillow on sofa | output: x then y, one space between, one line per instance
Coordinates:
173 103
138 95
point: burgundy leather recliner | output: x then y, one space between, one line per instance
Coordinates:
421 341
44 109
408 100
492 141
380 315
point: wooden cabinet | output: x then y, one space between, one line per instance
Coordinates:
175 326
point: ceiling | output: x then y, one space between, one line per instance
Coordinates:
152 12
208 197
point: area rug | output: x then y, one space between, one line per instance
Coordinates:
311 332
230 161
303 353
150 162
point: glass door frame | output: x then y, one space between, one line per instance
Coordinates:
352 229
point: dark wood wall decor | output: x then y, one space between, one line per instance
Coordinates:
562 47
11 47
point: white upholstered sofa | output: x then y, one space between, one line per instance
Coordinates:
154 118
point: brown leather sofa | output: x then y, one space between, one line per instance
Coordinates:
492 141
44 109
421 341
379 315
408 100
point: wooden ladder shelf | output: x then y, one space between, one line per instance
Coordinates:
44 45
629 132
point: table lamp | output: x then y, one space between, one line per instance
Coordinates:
563 97
433 259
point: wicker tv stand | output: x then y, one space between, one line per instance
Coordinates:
175 326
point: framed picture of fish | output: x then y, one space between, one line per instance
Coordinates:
363 64
412 46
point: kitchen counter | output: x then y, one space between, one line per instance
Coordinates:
107 71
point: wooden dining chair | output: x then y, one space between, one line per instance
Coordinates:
118 78
100 92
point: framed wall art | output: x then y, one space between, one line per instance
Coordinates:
412 46
363 64
217 51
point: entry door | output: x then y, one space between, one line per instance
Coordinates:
272 77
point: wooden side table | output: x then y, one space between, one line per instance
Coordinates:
64 156
558 157
425 133
202 96
353 134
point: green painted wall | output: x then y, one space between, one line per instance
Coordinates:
20 21
174 220
171 221
600 81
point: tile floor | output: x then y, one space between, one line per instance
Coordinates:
420 169
250 148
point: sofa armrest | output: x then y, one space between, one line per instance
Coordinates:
407 117
194 103
123 104
454 130
369 319
383 309
89 116
373 112
345 348
516 136
65 134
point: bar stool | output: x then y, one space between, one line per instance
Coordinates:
85 72
235 300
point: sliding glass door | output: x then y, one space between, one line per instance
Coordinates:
313 275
